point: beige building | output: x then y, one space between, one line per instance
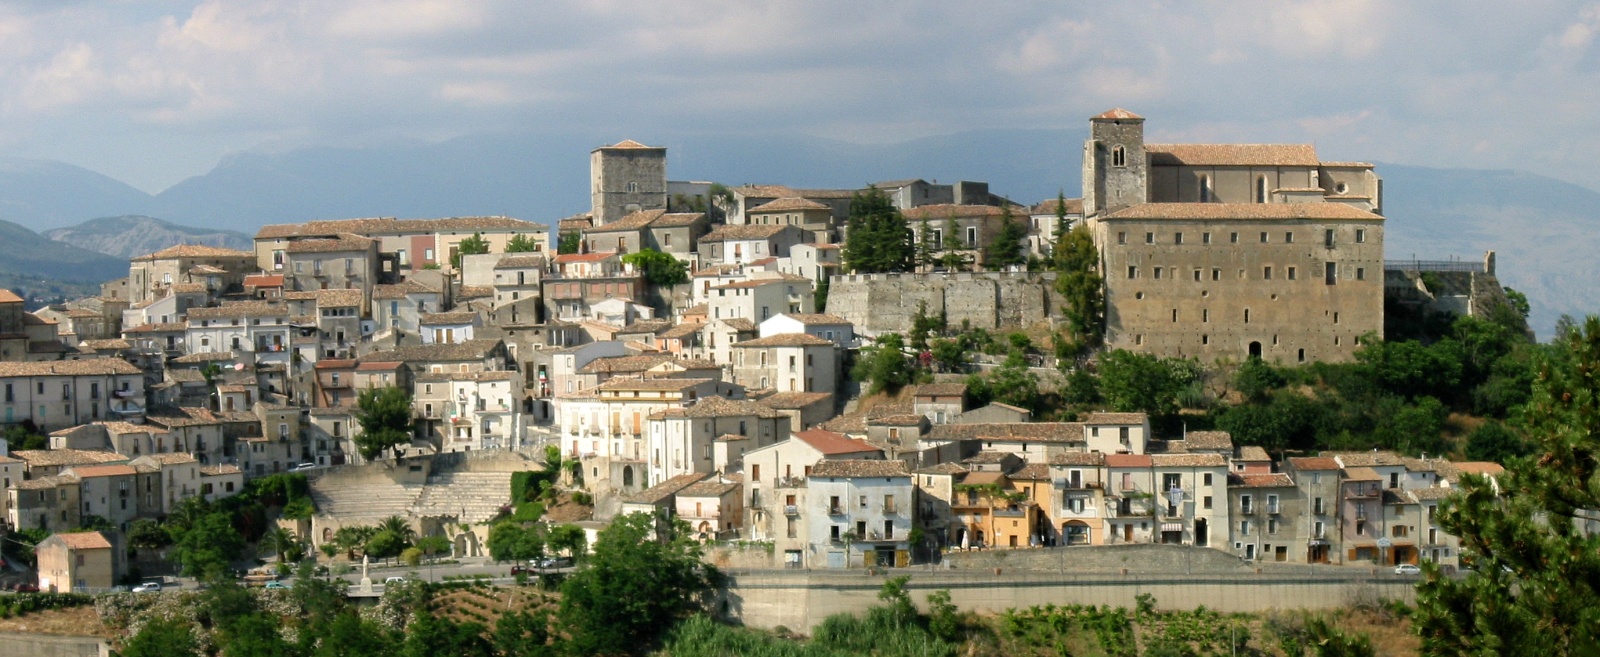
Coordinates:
407 245
78 562
1224 251
217 270
61 394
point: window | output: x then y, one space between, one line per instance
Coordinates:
1207 479
1261 189
1292 273
1266 273
1157 274
1205 189
1133 272
1328 273
1205 502
1361 235
1246 504
1244 528
1122 237
1316 506
1216 273
972 236
1174 315
1361 273
1327 238
1177 238
1197 276
1272 525
1336 318
1205 238
1263 237
1247 315
1233 238
1149 238
1119 156
1288 238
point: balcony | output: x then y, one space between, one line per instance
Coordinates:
792 510
1010 513
836 511
791 482
1363 493
891 509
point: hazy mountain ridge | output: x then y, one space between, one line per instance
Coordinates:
128 236
1543 229
26 253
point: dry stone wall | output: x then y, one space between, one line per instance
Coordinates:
884 303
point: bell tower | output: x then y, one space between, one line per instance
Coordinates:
1115 171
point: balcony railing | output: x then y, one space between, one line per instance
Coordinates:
835 511
791 510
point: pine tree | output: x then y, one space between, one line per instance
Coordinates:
879 239
1077 263
1529 534
1005 250
925 256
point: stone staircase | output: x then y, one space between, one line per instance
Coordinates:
475 496
364 499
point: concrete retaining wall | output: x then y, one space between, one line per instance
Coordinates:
50 645
800 601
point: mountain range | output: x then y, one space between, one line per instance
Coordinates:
1543 229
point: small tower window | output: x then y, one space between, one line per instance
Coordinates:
1205 189
1119 157
633 187
1261 189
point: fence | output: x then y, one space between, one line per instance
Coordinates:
1434 265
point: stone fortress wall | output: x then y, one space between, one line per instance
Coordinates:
883 303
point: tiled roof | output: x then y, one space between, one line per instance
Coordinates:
788 204
941 390
682 330
813 319
400 290
1214 440
947 210
474 292
1368 459
188 288
83 540
829 442
1431 494
984 477
1226 211
469 350
989 458
391 226
742 232
1188 460
1308 463
859 468
1272 155
1253 453
724 407
1032 472
901 420
1073 206
595 256
449 318
171 458
1078 458
676 219
242 309
794 400
709 488
90 367
624 364
1128 460
948 468
158 327
786 340
630 144
1273 480
338 298
44 483
661 384
1479 468
345 242
195 251
114 343
1117 114
632 221
203 357
520 261
219 470
1361 474
738 323
665 489
54 457
1044 432
84 471
7 296
263 280
1115 418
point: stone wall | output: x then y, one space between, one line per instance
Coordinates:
883 303
50 645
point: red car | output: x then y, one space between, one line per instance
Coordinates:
26 587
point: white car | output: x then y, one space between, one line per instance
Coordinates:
394 580
148 587
1407 569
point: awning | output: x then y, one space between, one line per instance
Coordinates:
1171 527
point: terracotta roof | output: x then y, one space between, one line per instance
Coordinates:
947 210
631 221
219 470
788 204
158 328
90 367
1128 461
624 364
1273 155
984 477
742 232
400 290
62 457
1032 472
665 489
171 458
1043 432
474 292
43 483
83 540
469 350
630 144
103 471
810 319
1368 459
520 261
738 323
195 251
794 400
682 330
1215 440
1253 453
263 280
596 256
1078 458
1361 474
729 438
859 468
675 219
941 390
1117 114
785 340
1308 463
1115 418
1479 468
708 488
661 384
989 458
1259 211
392 226
7 296
1188 460
943 469
345 242
203 357
1274 480
1048 206
240 310
830 443
338 298
449 318
1431 494
113 343
724 407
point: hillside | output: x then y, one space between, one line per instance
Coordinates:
26 253
43 194
128 236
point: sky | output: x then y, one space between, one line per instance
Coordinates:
151 92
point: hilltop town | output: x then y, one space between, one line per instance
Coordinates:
796 369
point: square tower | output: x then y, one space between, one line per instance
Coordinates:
1115 169
626 177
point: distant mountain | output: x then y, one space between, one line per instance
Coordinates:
35 265
1543 229
133 235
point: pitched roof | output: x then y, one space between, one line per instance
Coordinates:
449 318
219 470
1361 474
631 221
811 319
1128 461
709 488
624 364
786 340
1260 211
794 400
941 390
336 244
195 251
829 442
1117 114
1277 155
1115 418
788 204
1253 453
54 457
520 261
90 367
630 144
1309 463
1078 458
7 296
391 226
1368 459
947 210
1043 432
469 350
947 468
595 256
1048 206
743 232
83 540
1188 460
859 468
1032 472
1218 440
400 290
264 280
1430 494
1273 480
242 309
84 471
724 407
665 489
660 384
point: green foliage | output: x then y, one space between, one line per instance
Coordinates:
474 245
1532 591
205 549
1010 383
411 556
569 243
878 240
1256 379
430 636
1414 429
660 269
147 534
1494 442
926 254
22 604
634 587
432 545
510 541
820 297
1005 250
299 509
884 365
944 622
255 635
570 539
524 634
25 436
1078 280
1135 382
347 635
385 417
161 637
522 243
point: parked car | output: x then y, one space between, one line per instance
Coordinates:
1407 569
303 467
277 585
26 587
555 562
394 580
148 587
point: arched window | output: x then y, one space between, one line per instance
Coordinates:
1119 157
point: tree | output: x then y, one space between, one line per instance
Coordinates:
884 366
1256 379
1077 265
510 541
820 297
474 245
636 585
524 634
384 544
206 549
429 636
255 635
1529 531
1495 443
163 637
285 544
569 242
659 269
350 636
147 534
925 247
1061 221
1010 383
1005 250
385 417
1134 382
432 545
879 240
570 539
25 436
522 243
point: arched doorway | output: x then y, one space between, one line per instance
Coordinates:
466 545
1075 532
627 476
1255 349
705 530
